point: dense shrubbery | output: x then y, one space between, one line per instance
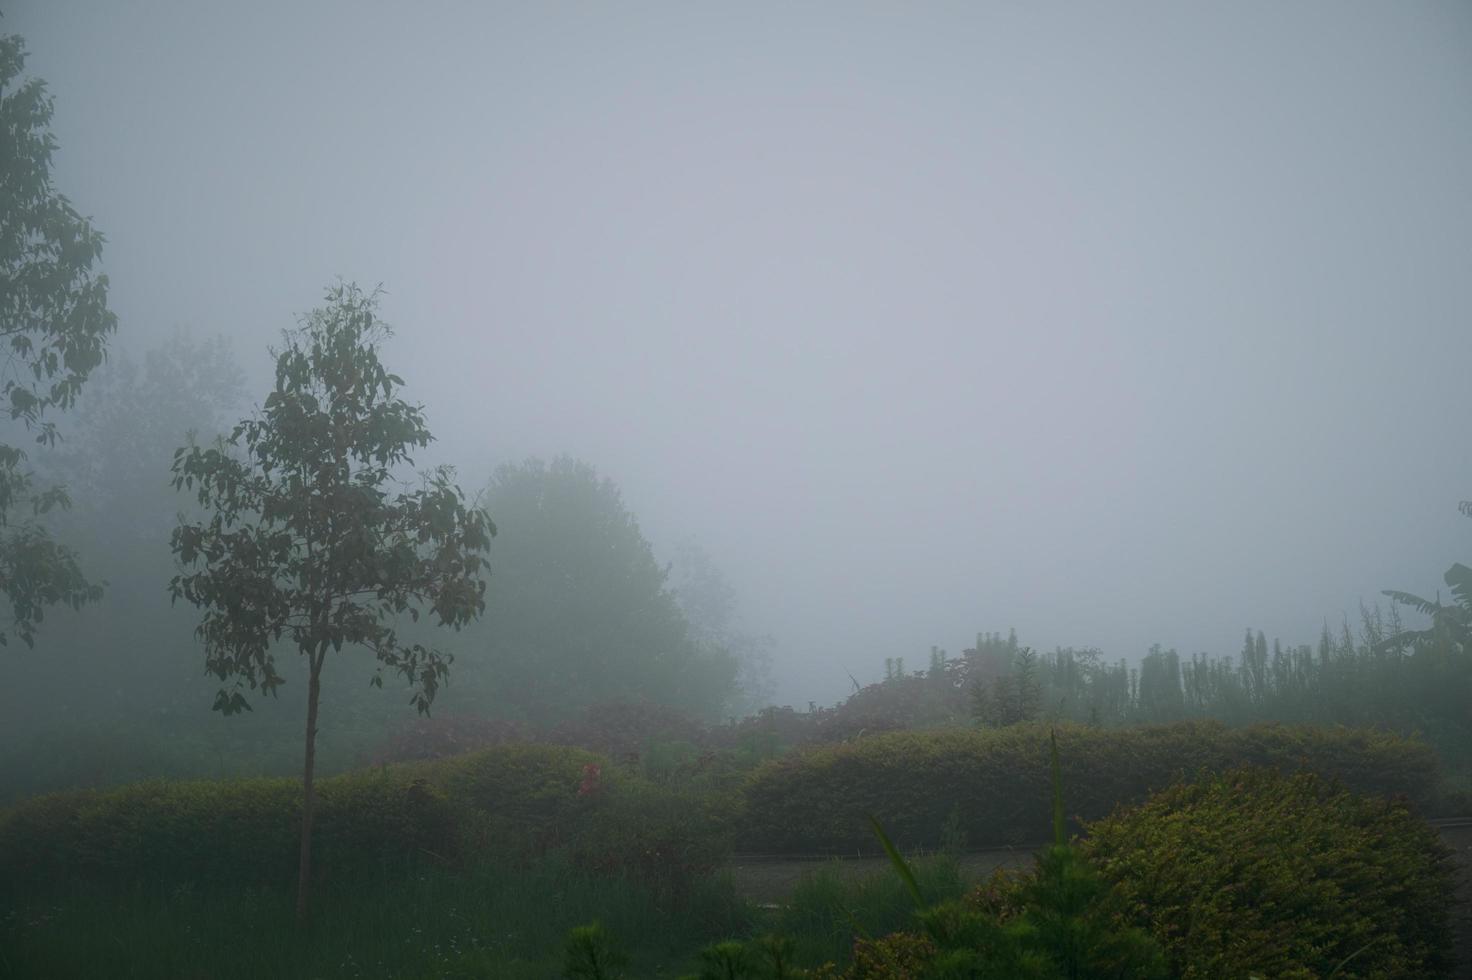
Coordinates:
1257 873
503 803
239 831
914 781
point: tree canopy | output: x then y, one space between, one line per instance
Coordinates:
306 539
54 322
582 612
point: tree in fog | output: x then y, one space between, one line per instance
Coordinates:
54 322
710 606
310 538
134 414
115 463
582 611
1451 623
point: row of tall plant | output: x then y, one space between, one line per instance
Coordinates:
1379 673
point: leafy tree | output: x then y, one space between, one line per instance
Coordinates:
1451 625
708 601
1161 697
1013 696
54 320
134 414
138 654
583 611
307 542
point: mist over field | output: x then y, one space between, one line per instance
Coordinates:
1118 325
740 491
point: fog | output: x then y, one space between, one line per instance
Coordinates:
1118 325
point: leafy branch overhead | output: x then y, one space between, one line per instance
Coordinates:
308 541
54 325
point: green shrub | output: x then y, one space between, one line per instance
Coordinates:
1258 873
507 802
517 798
827 907
660 836
592 954
916 782
237 831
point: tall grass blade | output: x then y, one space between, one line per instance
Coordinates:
900 865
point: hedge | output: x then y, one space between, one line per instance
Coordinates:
1254 873
994 783
504 803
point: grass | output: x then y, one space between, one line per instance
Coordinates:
485 922
829 908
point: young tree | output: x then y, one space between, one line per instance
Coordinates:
54 324
309 544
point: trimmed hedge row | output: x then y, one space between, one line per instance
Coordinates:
504 803
237 831
511 801
996 783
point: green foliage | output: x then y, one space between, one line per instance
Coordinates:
582 612
708 602
239 832
898 955
663 836
773 956
511 802
828 908
1059 922
897 862
523 798
54 324
1450 632
1013 696
487 920
726 960
305 542
816 799
593 955
1253 872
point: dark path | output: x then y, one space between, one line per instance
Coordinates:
771 879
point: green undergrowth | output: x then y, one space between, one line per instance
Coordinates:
513 802
828 909
987 782
1254 872
485 921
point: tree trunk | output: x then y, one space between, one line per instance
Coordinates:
304 869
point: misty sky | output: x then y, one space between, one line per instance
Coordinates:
1114 324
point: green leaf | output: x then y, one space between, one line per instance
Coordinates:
901 867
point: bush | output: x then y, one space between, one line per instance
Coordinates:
239 831
814 800
1258 873
510 802
662 837
518 798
